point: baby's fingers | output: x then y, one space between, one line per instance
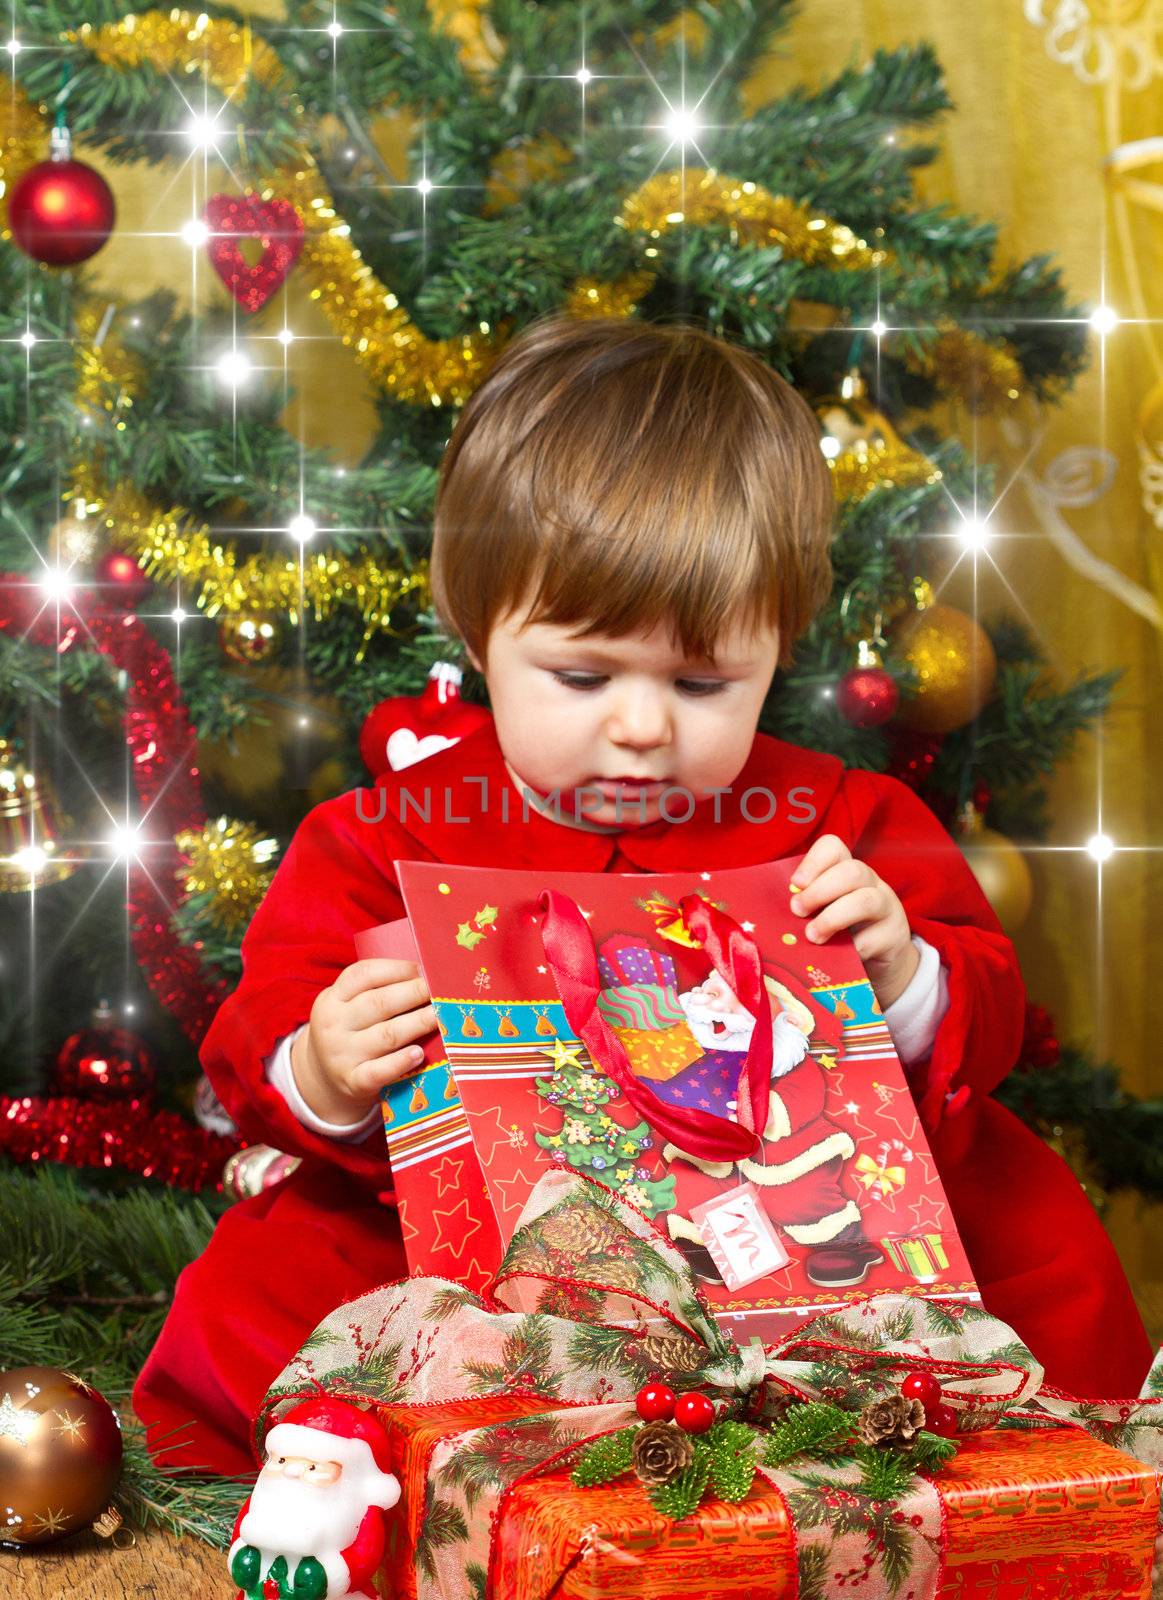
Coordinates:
385 1003
371 973
861 905
392 1036
825 852
372 1076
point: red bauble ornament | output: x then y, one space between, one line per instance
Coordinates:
694 1413
274 223
403 730
60 1454
656 1402
120 573
942 1421
922 1386
61 211
1040 1047
867 696
104 1062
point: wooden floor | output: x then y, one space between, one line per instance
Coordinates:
85 1567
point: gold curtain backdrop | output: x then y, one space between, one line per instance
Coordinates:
1052 102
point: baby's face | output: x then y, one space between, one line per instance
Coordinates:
574 713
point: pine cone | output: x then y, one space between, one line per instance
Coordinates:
661 1451
613 1275
673 1355
579 1233
893 1420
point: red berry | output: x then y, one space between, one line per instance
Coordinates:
921 1386
694 1413
941 1420
655 1402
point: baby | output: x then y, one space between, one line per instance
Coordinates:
632 530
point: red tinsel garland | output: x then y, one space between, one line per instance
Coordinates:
129 1135
160 740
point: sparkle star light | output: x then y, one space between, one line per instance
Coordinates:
194 232
125 841
234 367
682 125
203 130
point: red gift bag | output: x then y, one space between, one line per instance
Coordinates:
759 1148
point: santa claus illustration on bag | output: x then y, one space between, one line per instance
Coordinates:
313 1526
797 1170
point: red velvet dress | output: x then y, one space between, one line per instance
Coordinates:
278 1263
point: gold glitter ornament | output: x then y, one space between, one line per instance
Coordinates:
955 665
229 865
862 448
75 542
999 867
247 638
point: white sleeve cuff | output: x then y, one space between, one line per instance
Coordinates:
279 1073
915 1015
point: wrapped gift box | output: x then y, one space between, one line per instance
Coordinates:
1051 1512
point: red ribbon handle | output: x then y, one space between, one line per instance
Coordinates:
569 950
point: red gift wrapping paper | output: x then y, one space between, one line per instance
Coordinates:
1045 1513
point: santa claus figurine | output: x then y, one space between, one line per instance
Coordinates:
313 1526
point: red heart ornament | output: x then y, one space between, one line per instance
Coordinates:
274 223
407 728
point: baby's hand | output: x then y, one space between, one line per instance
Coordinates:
848 894
359 1037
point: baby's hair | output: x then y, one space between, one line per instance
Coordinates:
609 473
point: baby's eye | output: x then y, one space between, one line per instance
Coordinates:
581 680
701 685
311 1467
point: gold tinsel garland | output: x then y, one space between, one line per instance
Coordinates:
362 309
369 319
231 863
985 376
169 547
756 217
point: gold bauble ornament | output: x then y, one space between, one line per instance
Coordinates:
999 867
31 824
60 1455
75 542
247 638
955 666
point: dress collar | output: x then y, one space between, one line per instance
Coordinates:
469 781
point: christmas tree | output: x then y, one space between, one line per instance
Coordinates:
598 1144
199 611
